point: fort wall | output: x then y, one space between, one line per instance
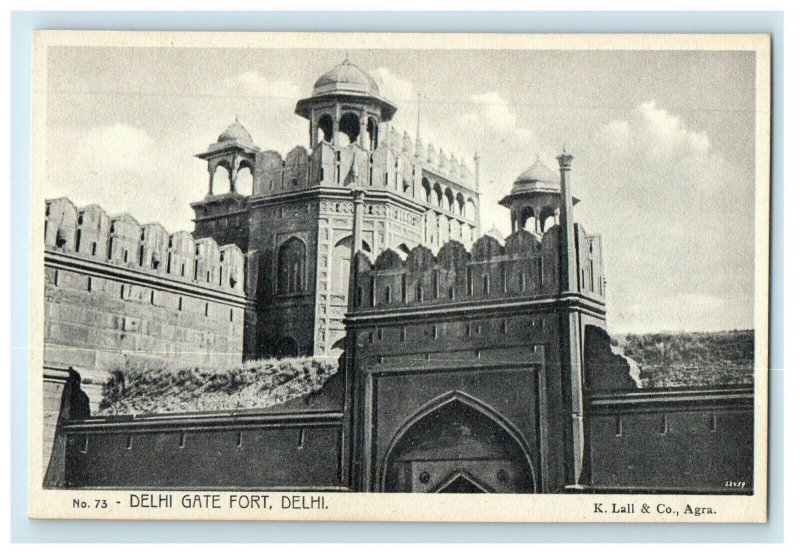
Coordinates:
468 335
119 294
677 440
289 451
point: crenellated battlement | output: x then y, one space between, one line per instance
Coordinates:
123 241
526 265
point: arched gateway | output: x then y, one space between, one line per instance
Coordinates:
458 445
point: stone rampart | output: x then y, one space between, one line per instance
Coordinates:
120 294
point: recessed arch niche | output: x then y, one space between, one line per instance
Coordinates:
457 444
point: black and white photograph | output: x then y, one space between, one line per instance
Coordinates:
272 273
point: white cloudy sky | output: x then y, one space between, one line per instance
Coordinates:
663 145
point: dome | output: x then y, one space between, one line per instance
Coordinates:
538 181
537 173
345 83
236 133
346 78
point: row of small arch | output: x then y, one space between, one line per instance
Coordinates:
455 203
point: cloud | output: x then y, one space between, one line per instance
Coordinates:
403 94
123 168
657 134
117 147
395 89
252 83
683 259
490 110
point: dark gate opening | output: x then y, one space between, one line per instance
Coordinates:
457 448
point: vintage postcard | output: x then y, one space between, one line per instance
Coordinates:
294 275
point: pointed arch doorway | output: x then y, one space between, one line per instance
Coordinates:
458 445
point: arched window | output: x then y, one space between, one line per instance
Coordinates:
291 266
325 127
244 179
426 186
547 219
340 265
450 199
527 220
350 126
221 180
437 190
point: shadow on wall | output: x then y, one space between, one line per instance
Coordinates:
605 370
74 406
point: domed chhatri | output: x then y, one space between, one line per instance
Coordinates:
238 134
537 177
346 83
346 78
536 196
537 172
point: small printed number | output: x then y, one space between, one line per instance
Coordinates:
735 484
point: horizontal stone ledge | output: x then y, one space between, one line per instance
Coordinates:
199 421
437 366
496 306
660 400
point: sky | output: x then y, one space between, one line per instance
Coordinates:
664 146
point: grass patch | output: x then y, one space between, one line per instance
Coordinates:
691 359
256 384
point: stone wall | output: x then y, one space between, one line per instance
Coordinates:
672 440
295 451
119 294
